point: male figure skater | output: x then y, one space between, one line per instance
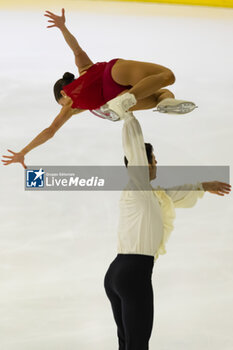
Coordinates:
146 220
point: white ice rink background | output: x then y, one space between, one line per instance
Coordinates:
55 247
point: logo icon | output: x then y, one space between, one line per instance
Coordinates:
35 178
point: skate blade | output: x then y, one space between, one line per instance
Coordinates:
108 113
182 108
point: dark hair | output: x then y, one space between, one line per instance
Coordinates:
66 79
149 150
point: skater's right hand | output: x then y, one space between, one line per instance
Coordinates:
217 187
16 158
58 21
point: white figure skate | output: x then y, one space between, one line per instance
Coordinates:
107 115
173 106
115 108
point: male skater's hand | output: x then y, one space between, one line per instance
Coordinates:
58 21
16 158
217 187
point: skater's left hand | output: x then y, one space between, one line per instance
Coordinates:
58 21
17 157
217 187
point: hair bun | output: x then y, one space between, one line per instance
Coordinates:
68 77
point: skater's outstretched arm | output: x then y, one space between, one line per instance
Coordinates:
65 114
217 187
186 196
135 152
82 60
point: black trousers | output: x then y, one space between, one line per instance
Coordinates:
128 286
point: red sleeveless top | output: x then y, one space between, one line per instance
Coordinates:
94 88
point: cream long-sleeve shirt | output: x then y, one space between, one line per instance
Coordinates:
147 213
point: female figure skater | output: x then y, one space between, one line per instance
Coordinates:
104 81
107 89
146 221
